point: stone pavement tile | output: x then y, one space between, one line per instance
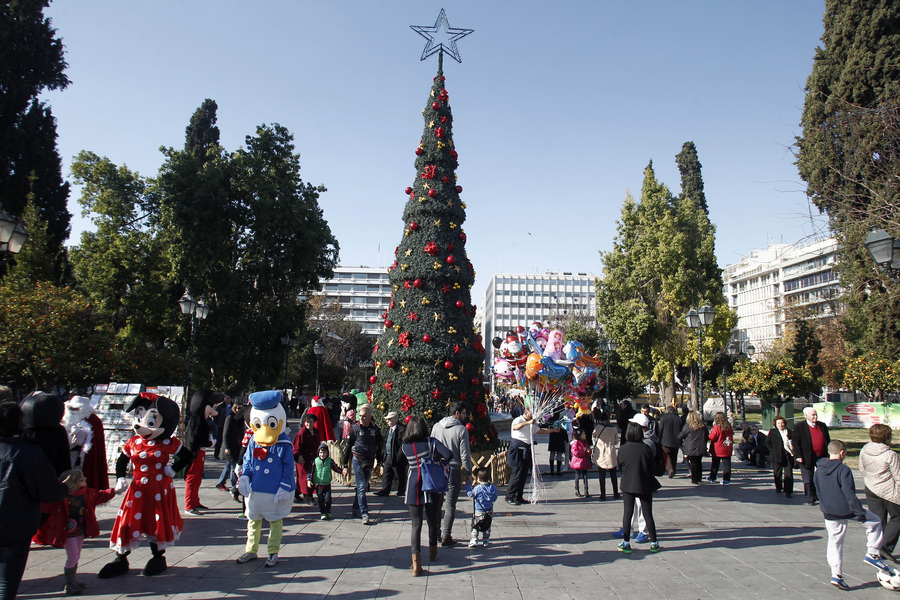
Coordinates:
397 589
364 575
504 593
577 592
354 591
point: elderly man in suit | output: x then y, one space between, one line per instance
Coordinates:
810 441
395 464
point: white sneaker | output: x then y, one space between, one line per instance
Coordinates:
473 542
366 520
272 560
485 542
246 557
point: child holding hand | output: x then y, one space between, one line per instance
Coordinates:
71 520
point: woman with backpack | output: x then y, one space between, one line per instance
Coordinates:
418 446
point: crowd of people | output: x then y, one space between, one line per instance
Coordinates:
49 480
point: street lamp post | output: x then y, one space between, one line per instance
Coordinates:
733 349
700 319
885 251
318 350
198 310
607 346
288 341
12 235
749 350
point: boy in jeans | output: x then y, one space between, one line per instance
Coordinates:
485 494
838 501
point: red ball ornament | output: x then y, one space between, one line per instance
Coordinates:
408 191
413 226
451 260
419 152
473 381
388 323
448 365
458 189
407 418
417 283
432 193
462 236
391 363
435 105
460 304
373 379
426 338
470 427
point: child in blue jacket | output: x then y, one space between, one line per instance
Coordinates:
485 494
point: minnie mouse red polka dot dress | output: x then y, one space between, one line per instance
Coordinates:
149 509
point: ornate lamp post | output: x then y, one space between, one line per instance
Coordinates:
198 310
699 320
885 251
288 341
12 235
607 346
318 350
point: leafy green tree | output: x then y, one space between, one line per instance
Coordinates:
32 62
121 266
662 263
848 155
429 354
52 336
245 233
873 374
691 178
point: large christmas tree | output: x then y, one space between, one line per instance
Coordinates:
430 354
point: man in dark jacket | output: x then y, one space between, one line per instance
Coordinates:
838 502
668 429
28 480
810 439
395 463
625 412
363 448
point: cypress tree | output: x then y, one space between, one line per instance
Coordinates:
691 178
848 155
430 353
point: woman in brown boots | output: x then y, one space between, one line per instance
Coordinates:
417 445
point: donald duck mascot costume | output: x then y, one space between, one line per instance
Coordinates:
266 477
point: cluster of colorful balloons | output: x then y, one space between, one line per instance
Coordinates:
542 360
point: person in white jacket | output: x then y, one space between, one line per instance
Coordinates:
880 468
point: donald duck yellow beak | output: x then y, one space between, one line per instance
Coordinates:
267 417
266 433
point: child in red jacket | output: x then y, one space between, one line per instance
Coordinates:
580 461
70 521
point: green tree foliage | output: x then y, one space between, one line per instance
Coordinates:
32 62
691 178
872 374
429 354
848 155
121 266
662 263
245 233
51 336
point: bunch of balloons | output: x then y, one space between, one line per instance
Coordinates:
542 361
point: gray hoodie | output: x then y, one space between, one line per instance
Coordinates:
453 434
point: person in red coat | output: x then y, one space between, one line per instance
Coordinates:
91 452
306 446
721 448
323 420
70 521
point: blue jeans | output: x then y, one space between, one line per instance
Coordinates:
361 472
228 470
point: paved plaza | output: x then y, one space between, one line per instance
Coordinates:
739 541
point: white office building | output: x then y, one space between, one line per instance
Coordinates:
760 287
364 294
519 299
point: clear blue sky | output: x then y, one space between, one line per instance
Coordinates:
558 107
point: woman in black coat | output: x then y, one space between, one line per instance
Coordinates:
693 438
638 482
781 453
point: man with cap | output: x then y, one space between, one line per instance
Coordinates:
452 433
395 463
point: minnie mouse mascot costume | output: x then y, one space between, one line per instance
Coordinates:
150 507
